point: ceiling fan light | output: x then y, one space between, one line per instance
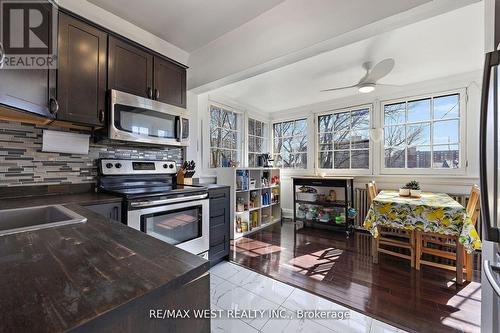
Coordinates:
366 88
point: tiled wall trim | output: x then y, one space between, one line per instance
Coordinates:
22 161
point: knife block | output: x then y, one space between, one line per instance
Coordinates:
182 179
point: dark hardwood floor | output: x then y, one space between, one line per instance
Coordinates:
338 268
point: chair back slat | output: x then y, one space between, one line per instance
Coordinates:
371 191
472 208
375 186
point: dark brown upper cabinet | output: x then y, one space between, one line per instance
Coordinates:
130 69
169 82
81 75
32 90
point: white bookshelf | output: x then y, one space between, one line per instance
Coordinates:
255 214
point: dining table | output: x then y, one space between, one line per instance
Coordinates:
436 213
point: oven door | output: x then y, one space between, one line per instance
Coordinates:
140 119
185 225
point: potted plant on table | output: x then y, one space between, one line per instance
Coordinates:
414 188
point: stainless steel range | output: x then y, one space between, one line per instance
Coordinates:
155 204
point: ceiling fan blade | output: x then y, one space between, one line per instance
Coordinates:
379 71
340 88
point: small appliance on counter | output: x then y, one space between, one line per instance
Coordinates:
156 204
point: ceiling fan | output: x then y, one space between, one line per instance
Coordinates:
368 83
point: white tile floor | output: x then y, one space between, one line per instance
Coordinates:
234 287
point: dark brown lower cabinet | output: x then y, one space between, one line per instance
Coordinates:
220 224
136 316
81 75
112 211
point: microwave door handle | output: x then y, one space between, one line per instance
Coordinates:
483 139
178 128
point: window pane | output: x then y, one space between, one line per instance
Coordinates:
394 114
278 161
299 144
342 140
447 107
259 128
215 158
287 128
360 139
419 134
341 159
419 157
419 110
446 132
251 144
395 157
326 141
325 160
360 119
215 137
300 127
300 161
394 136
341 121
214 117
278 144
258 144
251 126
325 123
278 130
252 160
360 159
446 156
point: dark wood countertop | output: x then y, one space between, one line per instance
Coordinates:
56 279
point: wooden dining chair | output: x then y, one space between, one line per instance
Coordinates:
447 247
393 241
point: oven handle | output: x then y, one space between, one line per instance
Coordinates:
167 201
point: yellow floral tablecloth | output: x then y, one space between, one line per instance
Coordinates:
433 212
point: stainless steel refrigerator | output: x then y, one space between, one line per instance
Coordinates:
490 172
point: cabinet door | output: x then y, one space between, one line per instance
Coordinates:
31 90
112 211
81 76
170 82
130 69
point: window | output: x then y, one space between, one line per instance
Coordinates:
290 144
225 138
423 133
257 140
344 140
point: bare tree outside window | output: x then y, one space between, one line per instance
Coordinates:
225 137
290 144
344 140
423 133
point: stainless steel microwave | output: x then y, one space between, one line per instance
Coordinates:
140 119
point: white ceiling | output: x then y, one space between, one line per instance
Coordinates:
188 24
445 45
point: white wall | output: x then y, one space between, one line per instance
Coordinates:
124 28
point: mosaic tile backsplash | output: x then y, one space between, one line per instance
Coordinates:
22 161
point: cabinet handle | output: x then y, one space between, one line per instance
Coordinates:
101 116
53 106
157 94
149 91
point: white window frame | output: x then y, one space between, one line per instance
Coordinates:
462 132
333 171
307 118
240 121
266 136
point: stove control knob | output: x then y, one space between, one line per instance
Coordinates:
171 166
165 166
109 165
118 165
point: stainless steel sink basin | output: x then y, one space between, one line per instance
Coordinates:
13 221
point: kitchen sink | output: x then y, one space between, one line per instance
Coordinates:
13 221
